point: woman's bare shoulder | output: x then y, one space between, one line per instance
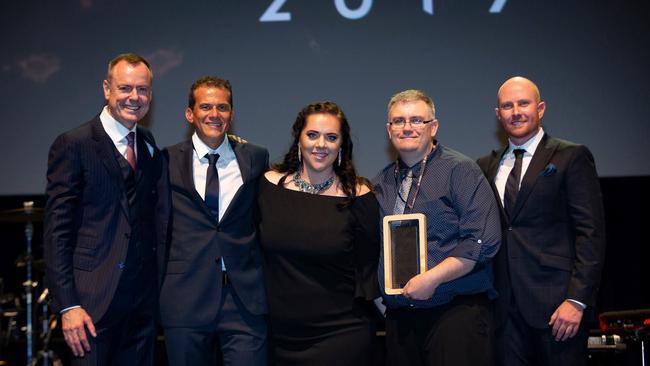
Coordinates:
273 176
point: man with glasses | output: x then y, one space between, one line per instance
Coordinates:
442 316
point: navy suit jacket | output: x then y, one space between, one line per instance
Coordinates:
554 243
87 225
191 288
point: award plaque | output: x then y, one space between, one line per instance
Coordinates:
405 250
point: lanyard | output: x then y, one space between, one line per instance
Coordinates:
417 187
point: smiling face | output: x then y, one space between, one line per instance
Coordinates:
412 143
210 115
519 109
319 143
128 92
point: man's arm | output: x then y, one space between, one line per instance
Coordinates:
479 233
64 188
584 203
422 286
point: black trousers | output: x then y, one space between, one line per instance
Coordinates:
517 343
457 333
240 335
126 333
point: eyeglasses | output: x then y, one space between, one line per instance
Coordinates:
416 122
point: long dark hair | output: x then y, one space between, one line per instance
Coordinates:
345 172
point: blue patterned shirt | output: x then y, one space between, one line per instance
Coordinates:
462 221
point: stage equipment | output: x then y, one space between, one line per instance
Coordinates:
27 215
631 325
46 356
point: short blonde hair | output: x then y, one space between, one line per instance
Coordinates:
411 95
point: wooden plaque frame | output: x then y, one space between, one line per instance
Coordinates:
391 221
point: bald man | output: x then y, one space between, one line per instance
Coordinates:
548 270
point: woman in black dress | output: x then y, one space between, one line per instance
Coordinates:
319 232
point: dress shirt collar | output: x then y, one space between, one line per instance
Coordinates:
224 150
530 146
416 167
115 130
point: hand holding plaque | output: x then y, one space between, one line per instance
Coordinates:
405 250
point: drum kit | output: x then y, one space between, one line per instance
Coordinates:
12 308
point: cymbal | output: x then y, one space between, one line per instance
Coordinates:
22 215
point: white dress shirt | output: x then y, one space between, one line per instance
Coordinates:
117 133
230 179
508 161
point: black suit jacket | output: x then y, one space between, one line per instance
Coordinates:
191 289
87 217
554 243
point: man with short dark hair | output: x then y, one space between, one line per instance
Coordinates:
548 270
443 316
102 228
213 290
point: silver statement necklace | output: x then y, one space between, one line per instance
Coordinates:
307 187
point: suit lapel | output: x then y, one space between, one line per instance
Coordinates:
245 162
244 159
185 163
146 159
143 156
491 173
106 151
493 166
540 159
185 167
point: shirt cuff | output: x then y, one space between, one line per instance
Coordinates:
583 306
468 249
68 309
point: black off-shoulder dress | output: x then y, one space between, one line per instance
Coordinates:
321 275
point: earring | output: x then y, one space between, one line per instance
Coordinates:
340 154
299 154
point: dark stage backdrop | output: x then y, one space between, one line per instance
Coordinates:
590 59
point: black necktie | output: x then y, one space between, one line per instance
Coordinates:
212 185
512 184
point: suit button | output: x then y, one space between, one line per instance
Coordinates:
121 265
509 228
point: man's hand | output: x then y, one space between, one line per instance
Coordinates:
566 320
74 323
420 287
236 139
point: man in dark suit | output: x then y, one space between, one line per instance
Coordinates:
213 293
101 227
548 270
